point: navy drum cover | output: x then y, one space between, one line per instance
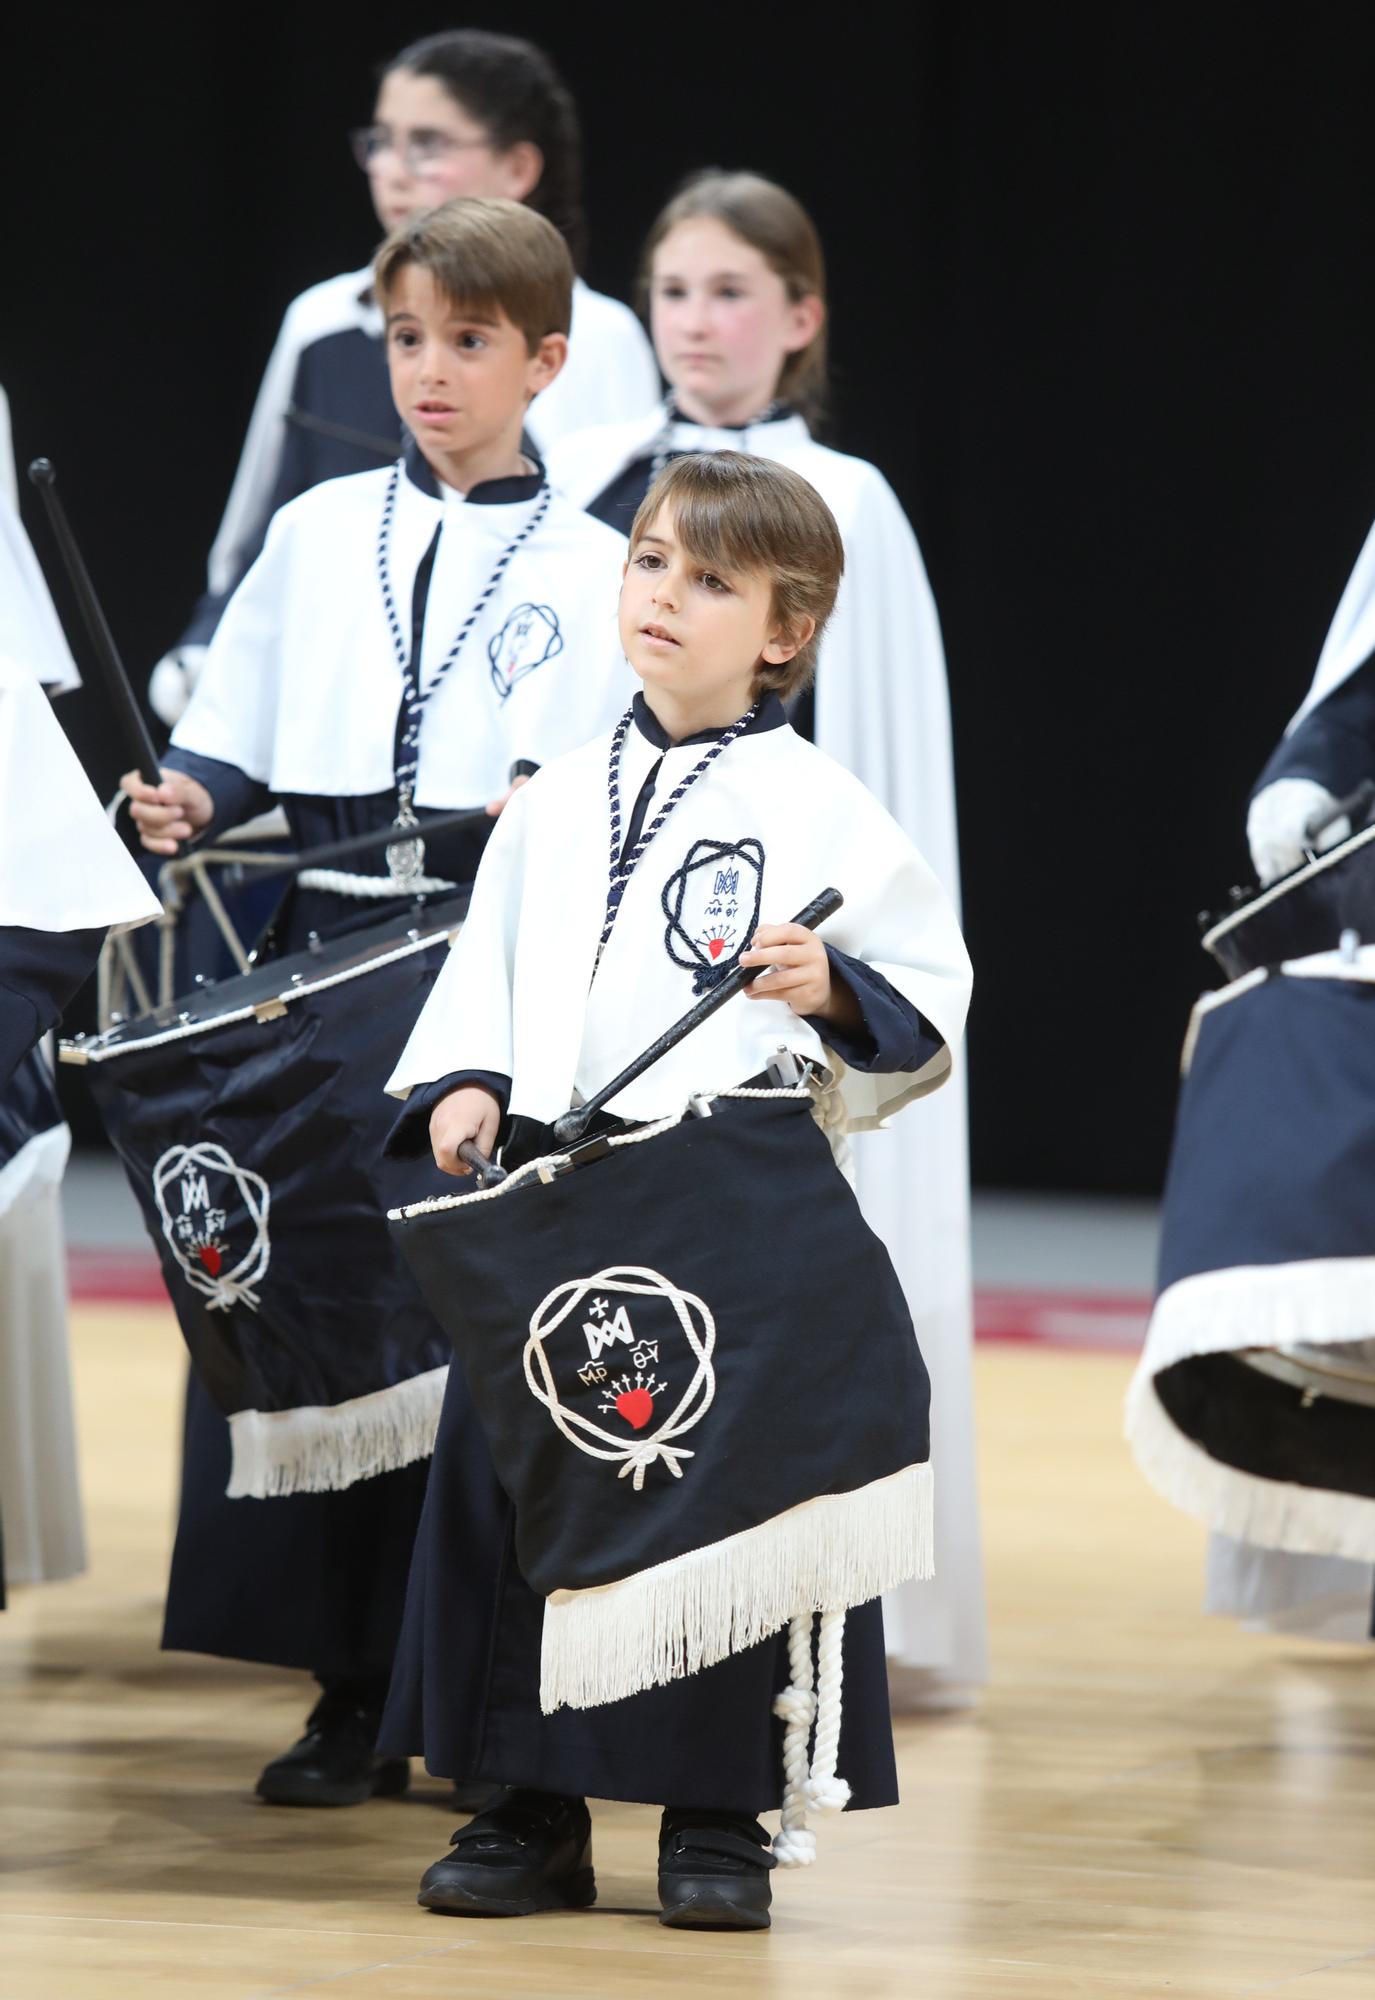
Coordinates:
250 1122
1254 1405
677 1343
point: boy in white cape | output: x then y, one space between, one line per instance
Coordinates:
564 971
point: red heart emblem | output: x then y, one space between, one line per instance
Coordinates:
716 946
210 1257
636 1406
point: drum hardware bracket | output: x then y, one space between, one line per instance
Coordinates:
787 1070
699 1106
1349 946
580 1155
270 1010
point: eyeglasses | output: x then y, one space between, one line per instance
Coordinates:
422 153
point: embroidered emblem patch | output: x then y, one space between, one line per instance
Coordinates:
207 1205
712 907
529 637
607 1333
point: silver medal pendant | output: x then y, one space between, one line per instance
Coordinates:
406 858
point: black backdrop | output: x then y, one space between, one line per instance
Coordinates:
1102 311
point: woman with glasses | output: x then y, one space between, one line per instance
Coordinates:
461 113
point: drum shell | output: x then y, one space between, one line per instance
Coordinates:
294 1096
816 1363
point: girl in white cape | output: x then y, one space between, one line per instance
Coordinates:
736 285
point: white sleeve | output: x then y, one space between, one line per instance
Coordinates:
62 865
882 700
261 458
898 918
232 715
466 1022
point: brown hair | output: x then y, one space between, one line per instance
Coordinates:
774 223
488 256
740 513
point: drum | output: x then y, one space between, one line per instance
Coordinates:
250 1118
699 1380
1303 913
1254 1404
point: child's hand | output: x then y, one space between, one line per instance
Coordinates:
498 806
176 810
803 974
468 1113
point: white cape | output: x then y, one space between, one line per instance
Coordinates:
883 711
301 685
1351 636
537 909
40 1497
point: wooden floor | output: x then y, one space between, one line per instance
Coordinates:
1144 1803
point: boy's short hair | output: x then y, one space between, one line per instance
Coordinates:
488 256
749 514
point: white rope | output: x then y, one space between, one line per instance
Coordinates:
338 882
810 1782
531 1170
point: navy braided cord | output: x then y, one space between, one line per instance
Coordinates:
623 867
414 698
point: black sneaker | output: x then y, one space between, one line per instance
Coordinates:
713 1871
336 1762
530 1851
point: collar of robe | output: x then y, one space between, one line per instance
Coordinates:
771 715
487 493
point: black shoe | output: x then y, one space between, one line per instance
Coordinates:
336 1762
713 1871
530 1851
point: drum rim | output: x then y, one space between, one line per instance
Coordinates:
543 1171
1281 1365
102 1048
1265 897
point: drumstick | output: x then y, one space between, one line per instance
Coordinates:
1353 807
574 1123
132 727
359 843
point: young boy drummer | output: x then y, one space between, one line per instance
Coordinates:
556 983
410 641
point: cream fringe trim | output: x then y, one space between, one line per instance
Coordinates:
827 1554
1271 1513
1317 1302
325 1448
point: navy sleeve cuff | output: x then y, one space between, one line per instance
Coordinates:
894 1036
237 796
410 1135
40 973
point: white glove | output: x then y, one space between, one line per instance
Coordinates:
174 682
1277 825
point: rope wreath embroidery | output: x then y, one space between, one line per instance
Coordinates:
196 1235
712 905
633 1399
530 636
